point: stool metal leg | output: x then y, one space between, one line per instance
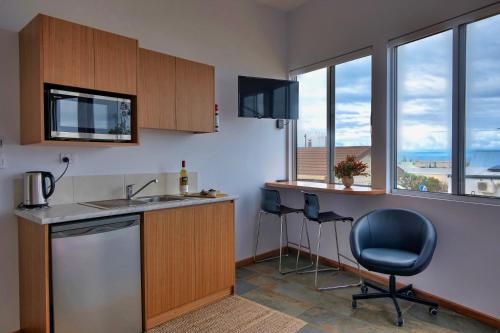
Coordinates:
297 268
283 236
335 269
317 257
285 225
257 241
316 269
281 243
339 255
257 236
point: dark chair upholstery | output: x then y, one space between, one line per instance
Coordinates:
395 242
311 211
271 203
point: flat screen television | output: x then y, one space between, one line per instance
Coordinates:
268 98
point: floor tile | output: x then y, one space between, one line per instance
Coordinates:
242 287
243 273
311 329
450 320
331 311
277 301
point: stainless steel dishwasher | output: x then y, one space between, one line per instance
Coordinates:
96 276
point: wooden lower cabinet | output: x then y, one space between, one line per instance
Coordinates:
34 293
188 259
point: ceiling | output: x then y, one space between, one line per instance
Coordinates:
284 5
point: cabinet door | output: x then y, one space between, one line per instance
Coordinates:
195 96
115 63
68 53
156 90
168 261
214 240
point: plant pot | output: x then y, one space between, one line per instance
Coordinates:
347 181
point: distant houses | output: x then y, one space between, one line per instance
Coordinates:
312 162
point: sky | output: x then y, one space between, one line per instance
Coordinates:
424 94
352 105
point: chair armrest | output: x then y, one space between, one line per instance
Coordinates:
360 237
427 251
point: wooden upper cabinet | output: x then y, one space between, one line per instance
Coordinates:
68 53
195 96
115 63
156 90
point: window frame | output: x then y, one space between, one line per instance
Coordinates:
329 64
458 27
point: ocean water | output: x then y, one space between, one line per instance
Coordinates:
479 158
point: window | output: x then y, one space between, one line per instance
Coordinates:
334 118
446 102
312 146
482 108
424 113
353 108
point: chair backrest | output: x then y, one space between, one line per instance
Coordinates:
311 206
270 201
395 229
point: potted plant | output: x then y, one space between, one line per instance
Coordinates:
350 167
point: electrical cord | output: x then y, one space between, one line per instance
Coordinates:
65 160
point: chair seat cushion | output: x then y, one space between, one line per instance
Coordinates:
287 210
389 257
332 216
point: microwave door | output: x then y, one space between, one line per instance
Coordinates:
71 117
112 118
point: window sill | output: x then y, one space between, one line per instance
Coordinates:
475 200
324 187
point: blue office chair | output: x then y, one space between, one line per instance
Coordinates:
271 205
395 242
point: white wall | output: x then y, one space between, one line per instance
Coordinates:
238 37
466 266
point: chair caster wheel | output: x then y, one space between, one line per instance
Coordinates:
364 289
400 321
433 311
354 304
410 293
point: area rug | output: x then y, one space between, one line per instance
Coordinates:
233 314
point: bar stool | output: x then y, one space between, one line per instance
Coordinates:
311 213
271 205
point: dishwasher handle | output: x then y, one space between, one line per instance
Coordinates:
85 230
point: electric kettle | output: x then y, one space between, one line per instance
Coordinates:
38 187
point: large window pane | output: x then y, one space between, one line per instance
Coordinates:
312 147
482 108
424 113
353 94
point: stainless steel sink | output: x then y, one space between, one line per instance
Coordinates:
116 203
160 198
122 203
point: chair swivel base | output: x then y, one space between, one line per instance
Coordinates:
405 293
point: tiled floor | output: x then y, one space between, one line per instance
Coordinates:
330 311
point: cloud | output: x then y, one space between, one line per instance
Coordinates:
423 137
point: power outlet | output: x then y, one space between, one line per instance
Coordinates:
70 156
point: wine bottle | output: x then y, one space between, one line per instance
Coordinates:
183 179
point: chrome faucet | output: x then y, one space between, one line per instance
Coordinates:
130 188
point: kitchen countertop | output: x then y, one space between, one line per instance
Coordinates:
75 211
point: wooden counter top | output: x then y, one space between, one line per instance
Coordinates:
323 187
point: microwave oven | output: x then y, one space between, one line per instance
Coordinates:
75 115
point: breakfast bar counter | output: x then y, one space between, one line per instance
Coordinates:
324 187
